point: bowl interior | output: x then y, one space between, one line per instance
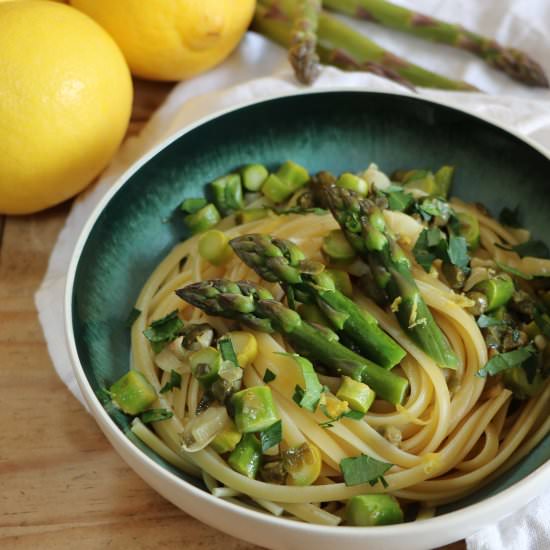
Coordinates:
331 130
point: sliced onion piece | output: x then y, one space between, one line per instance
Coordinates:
201 430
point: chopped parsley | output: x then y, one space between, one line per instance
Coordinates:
174 382
163 331
364 469
227 351
436 208
269 376
308 397
155 415
504 361
399 200
354 415
271 436
432 243
485 321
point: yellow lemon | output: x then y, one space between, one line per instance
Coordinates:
172 39
65 102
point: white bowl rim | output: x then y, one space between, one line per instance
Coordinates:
496 507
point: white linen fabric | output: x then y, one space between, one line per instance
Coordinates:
258 69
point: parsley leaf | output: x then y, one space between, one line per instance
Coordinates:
271 436
155 415
163 331
309 397
458 252
354 415
174 382
363 469
269 376
485 321
509 217
436 208
132 316
426 248
227 351
504 361
399 200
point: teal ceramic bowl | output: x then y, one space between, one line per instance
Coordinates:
136 224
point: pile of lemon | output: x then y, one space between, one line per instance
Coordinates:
66 88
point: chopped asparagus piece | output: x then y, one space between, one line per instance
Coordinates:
192 205
205 365
354 183
202 219
132 393
228 193
469 229
516 379
368 510
358 395
253 176
276 189
497 290
254 409
246 458
214 247
294 175
444 180
337 248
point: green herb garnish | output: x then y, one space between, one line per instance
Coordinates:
163 331
399 200
271 436
155 415
504 361
485 321
364 469
227 351
174 382
269 376
309 397
299 210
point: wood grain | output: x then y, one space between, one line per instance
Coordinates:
61 483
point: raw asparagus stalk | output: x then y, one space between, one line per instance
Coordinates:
281 261
340 45
254 306
303 41
364 226
515 63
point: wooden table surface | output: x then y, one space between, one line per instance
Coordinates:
61 483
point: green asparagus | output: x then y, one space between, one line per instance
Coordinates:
517 64
280 260
254 306
365 228
302 52
340 45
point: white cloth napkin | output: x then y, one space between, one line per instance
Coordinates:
258 69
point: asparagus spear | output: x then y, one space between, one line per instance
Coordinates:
364 226
340 45
513 62
303 41
281 261
253 305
